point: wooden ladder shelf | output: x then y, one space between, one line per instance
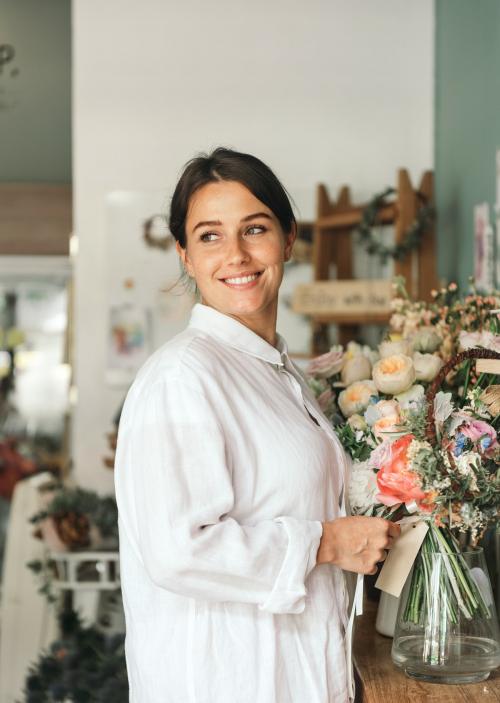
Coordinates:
332 244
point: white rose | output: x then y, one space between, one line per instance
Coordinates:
353 349
427 366
390 348
355 398
394 374
357 368
362 487
426 340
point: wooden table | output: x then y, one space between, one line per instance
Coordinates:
379 681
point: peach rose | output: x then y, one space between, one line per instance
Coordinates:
394 374
396 483
355 398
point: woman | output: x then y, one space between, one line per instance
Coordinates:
229 479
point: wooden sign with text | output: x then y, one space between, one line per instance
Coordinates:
356 298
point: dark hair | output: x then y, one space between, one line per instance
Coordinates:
228 165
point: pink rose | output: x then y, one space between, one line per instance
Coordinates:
327 364
475 429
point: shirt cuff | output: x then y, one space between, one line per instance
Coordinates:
289 592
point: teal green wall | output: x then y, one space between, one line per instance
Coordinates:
35 104
467 124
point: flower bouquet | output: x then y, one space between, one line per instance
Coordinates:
424 455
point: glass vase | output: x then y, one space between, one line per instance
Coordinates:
447 628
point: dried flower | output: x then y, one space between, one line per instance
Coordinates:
491 398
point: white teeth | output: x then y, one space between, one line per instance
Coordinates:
243 279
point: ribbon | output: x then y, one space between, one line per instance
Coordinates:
356 609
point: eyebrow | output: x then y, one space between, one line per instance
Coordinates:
215 223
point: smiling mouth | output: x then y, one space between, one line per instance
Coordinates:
241 280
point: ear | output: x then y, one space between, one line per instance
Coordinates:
184 259
290 240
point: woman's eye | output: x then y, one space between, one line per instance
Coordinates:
208 236
259 229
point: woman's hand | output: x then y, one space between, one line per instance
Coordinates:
356 543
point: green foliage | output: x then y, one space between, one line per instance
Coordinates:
42 570
428 462
101 511
412 237
358 449
415 420
84 666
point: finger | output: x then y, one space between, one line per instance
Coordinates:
394 530
382 556
383 542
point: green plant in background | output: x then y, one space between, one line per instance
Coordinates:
80 520
100 512
83 666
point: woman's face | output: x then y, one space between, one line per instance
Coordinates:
235 250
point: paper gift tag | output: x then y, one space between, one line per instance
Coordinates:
401 557
488 366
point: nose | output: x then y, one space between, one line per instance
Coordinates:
237 252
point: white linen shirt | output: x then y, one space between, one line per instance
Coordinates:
225 469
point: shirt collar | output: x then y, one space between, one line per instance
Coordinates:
236 334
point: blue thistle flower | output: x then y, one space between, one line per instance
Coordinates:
460 441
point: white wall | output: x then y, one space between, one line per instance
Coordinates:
339 91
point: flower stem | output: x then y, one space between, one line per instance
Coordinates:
468 365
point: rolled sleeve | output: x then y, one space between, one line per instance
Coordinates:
289 592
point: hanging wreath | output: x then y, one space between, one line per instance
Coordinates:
412 237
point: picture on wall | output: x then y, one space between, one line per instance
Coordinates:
129 339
